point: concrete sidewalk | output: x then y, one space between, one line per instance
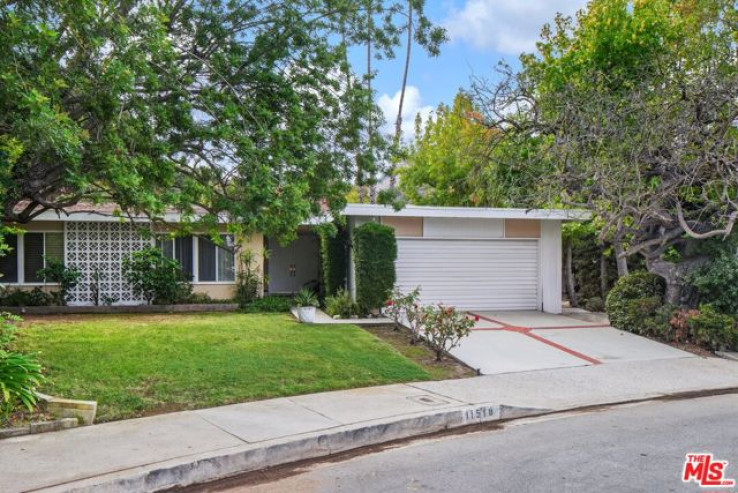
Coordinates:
159 452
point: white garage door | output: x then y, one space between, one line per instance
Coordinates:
471 274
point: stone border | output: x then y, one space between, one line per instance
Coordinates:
39 427
84 411
74 310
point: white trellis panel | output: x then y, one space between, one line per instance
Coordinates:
102 246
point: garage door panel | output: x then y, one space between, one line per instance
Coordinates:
471 274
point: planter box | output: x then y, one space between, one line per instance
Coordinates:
63 310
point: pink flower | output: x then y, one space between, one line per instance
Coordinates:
390 302
476 318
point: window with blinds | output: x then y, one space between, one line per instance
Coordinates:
216 263
179 249
9 260
38 249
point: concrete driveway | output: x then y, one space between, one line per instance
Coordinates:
505 342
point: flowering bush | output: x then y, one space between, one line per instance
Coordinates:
400 304
445 327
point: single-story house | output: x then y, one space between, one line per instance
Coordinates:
472 258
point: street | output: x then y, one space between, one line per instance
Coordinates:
631 448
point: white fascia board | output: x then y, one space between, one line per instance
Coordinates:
91 216
467 212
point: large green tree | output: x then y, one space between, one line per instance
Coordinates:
457 160
637 104
247 109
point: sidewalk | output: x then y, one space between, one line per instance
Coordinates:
182 448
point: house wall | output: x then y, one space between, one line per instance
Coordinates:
216 290
548 234
447 227
522 228
550 266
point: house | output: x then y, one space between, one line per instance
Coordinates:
472 258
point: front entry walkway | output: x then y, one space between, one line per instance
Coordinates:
505 342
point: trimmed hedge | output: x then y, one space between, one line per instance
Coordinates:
375 251
634 301
334 259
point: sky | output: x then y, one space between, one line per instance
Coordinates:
480 32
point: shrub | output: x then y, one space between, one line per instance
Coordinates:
375 251
634 299
717 283
34 297
248 280
444 327
268 304
20 374
158 279
595 304
341 304
334 258
399 304
66 277
714 330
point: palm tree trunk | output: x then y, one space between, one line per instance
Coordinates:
359 170
398 121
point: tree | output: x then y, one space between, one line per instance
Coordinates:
636 107
443 155
457 160
243 109
424 36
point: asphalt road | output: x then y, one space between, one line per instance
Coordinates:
634 448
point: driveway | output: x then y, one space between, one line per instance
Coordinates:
505 342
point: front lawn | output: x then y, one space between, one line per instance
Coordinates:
137 365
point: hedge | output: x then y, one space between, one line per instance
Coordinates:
375 251
334 258
633 303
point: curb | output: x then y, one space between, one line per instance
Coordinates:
213 466
227 463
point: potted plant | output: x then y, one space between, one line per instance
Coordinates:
306 301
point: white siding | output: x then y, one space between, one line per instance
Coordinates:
442 227
471 274
551 266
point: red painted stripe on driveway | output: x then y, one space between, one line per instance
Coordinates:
526 331
483 317
598 326
561 348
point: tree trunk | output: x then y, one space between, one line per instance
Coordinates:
359 170
621 260
569 274
403 87
674 274
604 275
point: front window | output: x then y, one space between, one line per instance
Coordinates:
216 263
179 249
30 252
9 260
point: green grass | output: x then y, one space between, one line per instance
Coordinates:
141 365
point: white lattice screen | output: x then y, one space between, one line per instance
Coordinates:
102 246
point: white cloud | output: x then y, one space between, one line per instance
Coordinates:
506 26
412 105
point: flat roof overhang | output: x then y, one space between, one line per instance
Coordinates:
466 212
